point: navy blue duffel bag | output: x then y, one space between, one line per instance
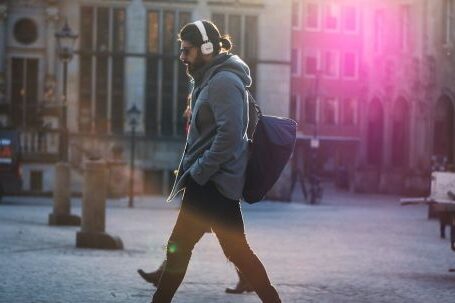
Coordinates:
272 142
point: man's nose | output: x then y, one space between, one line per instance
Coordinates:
182 56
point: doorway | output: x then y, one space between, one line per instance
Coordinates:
443 130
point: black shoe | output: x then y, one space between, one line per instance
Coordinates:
240 288
152 277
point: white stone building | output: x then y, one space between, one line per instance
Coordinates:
126 54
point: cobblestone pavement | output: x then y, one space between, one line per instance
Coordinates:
350 248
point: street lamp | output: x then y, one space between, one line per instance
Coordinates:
133 114
65 46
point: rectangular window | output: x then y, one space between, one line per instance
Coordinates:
220 22
102 26
449 21
311 62
24 92
349 112
312 19
330 111
235 30
350 65
349 19
296 14
243 30
295 67
119 30
330 64
166 88
310 110
101 71
332 16
86 38
295 108
379 23
152 32
404 27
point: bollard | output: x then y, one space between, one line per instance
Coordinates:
92 234
62 192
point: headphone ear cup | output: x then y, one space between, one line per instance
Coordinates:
207 48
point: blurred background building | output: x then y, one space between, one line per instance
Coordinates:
373 83
126 54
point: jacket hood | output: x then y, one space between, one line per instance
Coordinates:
226 62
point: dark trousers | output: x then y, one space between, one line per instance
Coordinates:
204 209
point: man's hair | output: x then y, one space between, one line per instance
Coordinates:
191 33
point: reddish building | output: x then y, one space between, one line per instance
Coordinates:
327 82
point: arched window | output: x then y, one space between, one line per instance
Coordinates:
375 132
400 133
443 131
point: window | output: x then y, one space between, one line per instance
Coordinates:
310 110
379 23
244 32
449 21
331 18
296 14
404 27
330 64
295 57
349 112
400 133
166 81
349 19
312 16
330 111
25 31
350 65
295 108
375 133
311 62
24 93
102 70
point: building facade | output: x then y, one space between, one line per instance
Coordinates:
387 69
126 54
326 82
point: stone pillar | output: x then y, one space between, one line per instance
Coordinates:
50 85
62 193
135 67
3 14
92 234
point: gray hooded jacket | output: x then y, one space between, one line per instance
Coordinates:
216 145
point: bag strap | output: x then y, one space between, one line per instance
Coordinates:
254 114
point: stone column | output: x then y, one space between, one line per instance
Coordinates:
135 67
50 89
3 14
92 234
62 193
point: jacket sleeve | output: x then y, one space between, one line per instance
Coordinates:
226 99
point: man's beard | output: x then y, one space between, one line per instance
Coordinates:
192 68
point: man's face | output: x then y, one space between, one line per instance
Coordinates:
191 56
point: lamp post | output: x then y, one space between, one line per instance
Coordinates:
65 45
133 117
62 189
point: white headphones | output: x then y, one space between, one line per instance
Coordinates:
207 46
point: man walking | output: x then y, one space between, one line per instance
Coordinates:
212 169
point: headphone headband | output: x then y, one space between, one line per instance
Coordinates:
207 46
201 29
